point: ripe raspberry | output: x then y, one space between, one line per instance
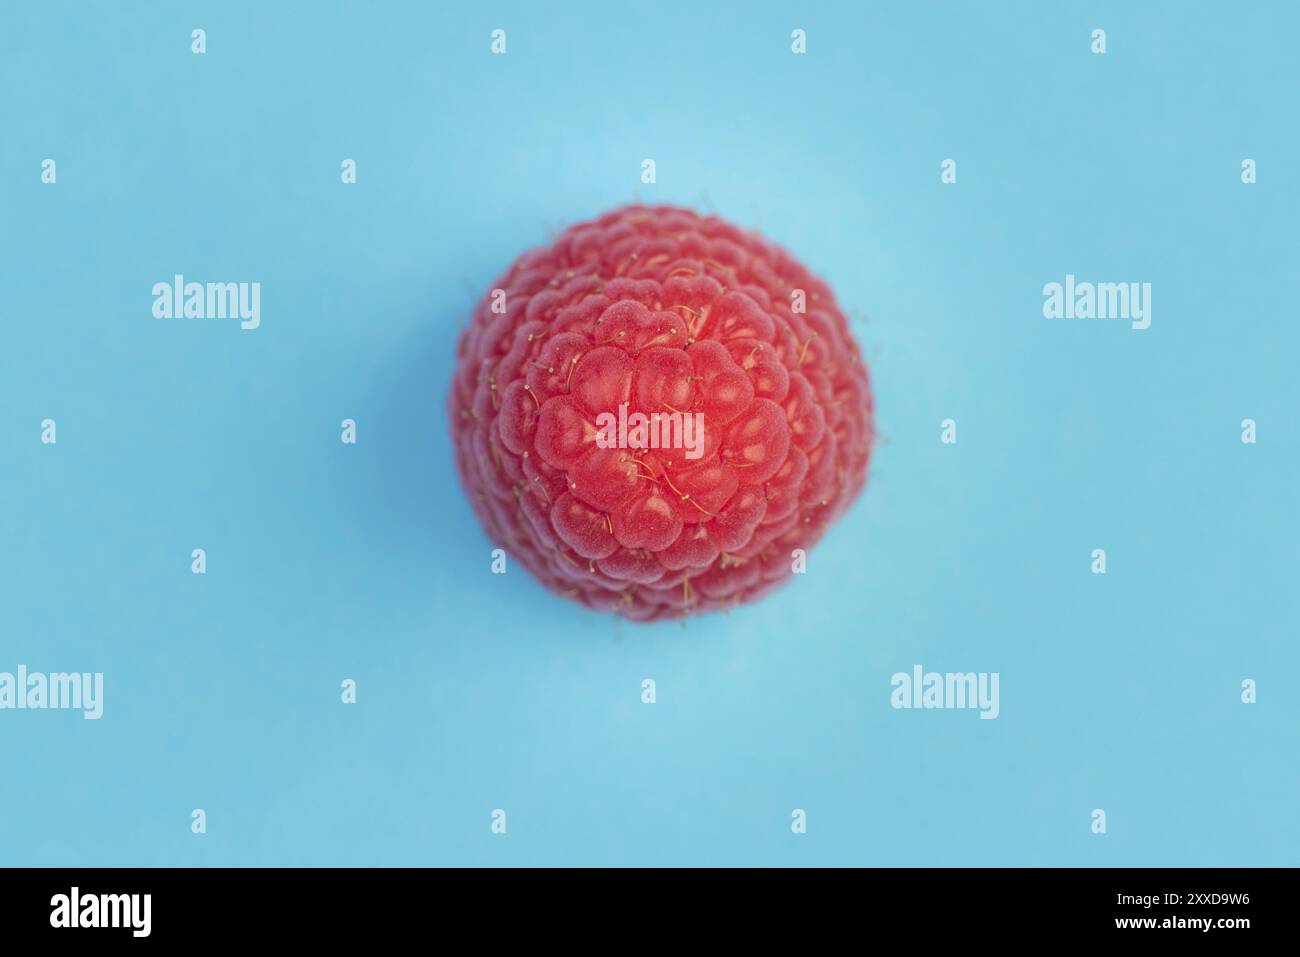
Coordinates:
666 311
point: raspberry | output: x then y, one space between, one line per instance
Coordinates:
655 309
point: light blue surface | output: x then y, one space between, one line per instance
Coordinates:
479 691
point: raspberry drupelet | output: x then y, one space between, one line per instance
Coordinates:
656 309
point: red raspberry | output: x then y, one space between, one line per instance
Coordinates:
666 311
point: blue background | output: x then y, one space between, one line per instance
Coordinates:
480 691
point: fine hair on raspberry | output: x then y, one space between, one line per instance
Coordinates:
584 374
